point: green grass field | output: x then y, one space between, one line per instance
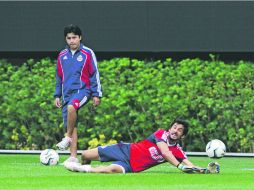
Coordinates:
24 172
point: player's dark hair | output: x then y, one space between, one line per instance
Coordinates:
72 29
182 122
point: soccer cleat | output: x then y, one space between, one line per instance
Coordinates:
77 167
64 144
72 159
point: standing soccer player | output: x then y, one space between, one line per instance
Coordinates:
77 80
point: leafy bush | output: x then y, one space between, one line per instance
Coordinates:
139 97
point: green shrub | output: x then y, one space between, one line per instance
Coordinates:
138 97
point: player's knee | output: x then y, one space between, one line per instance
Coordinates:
84 155
71 109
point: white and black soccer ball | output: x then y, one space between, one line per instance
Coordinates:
215 149
49 157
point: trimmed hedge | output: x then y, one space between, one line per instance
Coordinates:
139 97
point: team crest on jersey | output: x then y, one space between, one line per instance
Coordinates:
80 58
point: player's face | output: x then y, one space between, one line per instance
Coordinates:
73 41
176 131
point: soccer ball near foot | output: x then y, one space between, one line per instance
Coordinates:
49 157
215 149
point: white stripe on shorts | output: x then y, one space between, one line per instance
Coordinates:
83 101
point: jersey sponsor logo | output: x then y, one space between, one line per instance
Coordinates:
65 57
80 58
155 154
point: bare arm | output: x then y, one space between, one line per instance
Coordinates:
167 155
188 163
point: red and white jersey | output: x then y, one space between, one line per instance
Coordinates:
146 154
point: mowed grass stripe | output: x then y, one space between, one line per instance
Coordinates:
24 172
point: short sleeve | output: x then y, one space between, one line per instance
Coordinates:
161 136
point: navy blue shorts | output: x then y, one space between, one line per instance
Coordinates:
78 100
118 154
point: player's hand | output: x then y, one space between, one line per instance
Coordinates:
58 103
214 167
96 101
185 169
201 170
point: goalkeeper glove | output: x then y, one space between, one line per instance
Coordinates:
201 170
185 169
214 167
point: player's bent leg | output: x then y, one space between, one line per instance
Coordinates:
71 119
71 122
88 155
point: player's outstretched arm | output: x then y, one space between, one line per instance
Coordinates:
184 168
167 155
212 168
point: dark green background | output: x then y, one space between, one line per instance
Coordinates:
129 26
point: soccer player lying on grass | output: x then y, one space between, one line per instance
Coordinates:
159 147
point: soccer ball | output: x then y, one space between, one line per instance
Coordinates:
215 149
49 157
